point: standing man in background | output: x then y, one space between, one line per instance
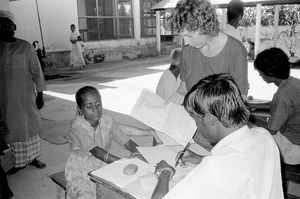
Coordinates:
235 12
21 86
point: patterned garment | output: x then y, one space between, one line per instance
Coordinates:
82 139
25 152
285 110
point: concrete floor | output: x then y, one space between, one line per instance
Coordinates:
119 84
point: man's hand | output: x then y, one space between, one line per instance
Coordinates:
164 166
39 101
189 158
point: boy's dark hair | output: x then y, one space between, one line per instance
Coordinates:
81 92
234 10
273 62
73 25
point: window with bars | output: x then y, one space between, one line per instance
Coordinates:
148 24
105 19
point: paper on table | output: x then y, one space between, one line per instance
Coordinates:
170 119
161 152
144 186
114 172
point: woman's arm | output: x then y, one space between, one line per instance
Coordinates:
103 155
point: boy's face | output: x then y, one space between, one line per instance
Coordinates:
91 107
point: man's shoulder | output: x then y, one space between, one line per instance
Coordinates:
23 43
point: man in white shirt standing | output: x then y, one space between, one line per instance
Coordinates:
244 163
235 12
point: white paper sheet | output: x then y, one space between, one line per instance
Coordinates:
170 119
114 172
161 152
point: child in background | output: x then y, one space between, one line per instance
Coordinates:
90 140
170 81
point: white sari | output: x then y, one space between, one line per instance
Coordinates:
76 57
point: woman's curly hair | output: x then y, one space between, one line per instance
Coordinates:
194 15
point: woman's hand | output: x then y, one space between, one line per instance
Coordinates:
189 158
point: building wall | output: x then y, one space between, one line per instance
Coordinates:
56 17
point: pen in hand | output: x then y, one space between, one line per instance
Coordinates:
182 153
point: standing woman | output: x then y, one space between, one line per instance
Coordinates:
76 57
207 51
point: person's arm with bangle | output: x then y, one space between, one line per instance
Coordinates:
103 155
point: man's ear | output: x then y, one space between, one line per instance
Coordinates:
212 120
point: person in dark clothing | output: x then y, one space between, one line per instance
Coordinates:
5 191
40 53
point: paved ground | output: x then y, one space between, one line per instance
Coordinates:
119 84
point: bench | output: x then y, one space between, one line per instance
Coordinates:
290 173
60 181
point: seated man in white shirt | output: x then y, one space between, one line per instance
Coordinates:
244 163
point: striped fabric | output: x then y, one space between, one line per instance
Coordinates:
285 110
25 152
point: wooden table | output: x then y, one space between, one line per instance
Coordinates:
107 190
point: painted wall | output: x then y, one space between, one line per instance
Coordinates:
4 5
56 17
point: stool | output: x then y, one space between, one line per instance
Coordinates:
290 173
60 181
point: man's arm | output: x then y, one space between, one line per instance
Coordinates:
164 173
162 186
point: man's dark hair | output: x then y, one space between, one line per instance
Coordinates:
234 10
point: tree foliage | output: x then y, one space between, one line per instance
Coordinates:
287 15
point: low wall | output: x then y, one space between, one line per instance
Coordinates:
61 59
